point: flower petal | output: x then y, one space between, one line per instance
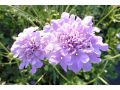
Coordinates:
83 58
87 67
88 20
21 65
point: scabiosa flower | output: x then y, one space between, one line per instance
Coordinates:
118 46
73 43
29 48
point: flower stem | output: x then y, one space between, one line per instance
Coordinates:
73 8
62 75
98 76
3 47
104 81
8 63
91 81
66 10
105 16
40 78
116 56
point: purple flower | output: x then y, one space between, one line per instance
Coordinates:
118 46
73 43
29 48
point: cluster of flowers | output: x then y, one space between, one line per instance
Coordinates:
68 41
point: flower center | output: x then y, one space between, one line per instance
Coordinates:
32 48
74 42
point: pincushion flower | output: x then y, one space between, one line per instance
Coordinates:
29 48
118 45
73 43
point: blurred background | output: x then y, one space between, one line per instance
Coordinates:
13 19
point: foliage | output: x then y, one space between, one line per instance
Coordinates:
13 19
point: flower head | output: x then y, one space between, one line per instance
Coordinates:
118 46
73 43
29 48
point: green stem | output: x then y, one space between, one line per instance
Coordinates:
91 81
25 15
61 75
8 63
103 68
112 57
66 10
3 55
40 78
103 80
62 9
98 76
3 47
37 16
105 16
73 9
